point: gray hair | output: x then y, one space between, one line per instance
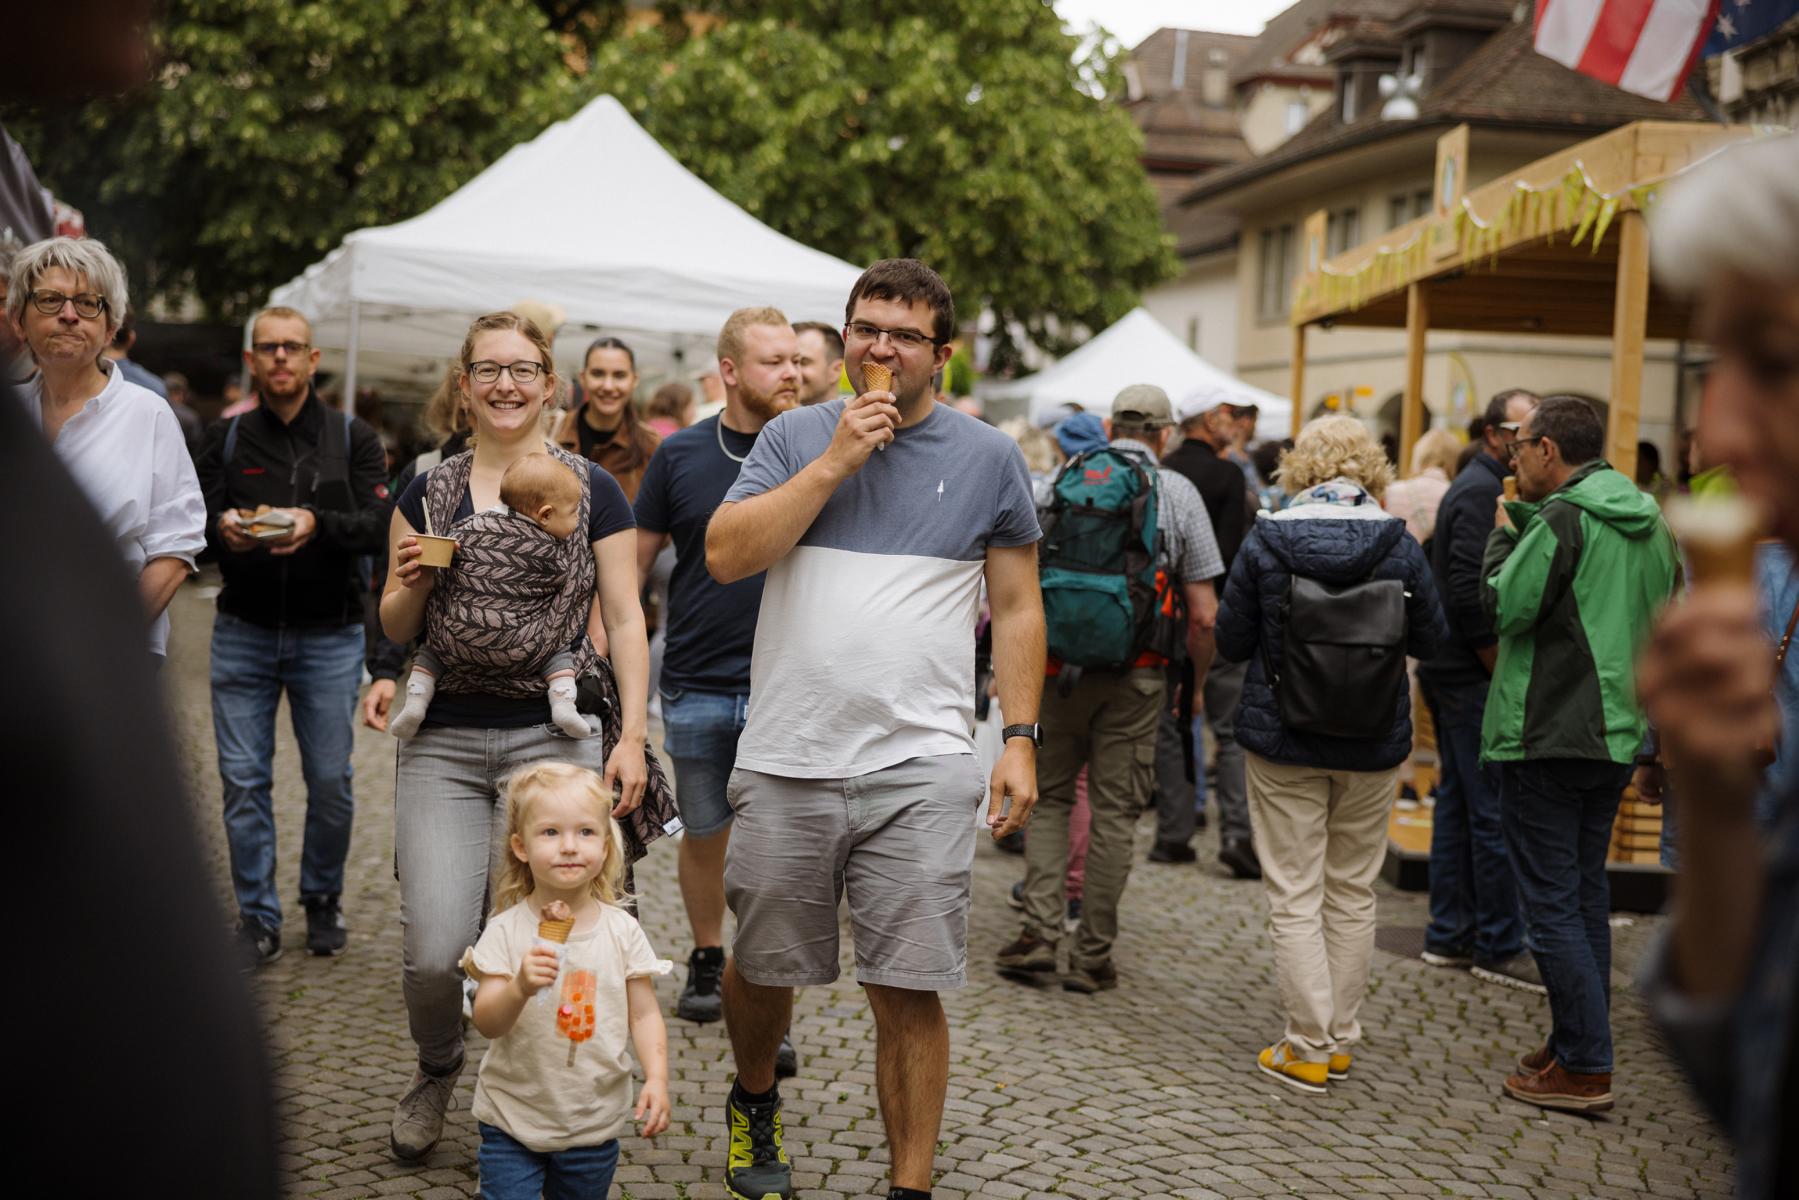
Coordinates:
83 256
1738 213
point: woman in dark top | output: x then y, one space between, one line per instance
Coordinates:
606 428
449 812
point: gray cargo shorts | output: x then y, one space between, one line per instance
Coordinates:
900 843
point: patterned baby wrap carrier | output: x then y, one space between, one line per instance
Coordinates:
485 622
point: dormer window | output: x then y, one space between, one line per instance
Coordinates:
1347 99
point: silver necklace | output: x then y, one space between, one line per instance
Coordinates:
721 442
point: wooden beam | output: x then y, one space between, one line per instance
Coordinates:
1411 412
1630 314
1299 377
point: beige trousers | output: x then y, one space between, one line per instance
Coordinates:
1321 836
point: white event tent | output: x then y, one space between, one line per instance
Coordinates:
1140 349
592 215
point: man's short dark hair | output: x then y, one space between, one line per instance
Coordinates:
907 280
1497 405
1572 425
832 338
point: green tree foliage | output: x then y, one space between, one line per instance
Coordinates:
275 127
967 133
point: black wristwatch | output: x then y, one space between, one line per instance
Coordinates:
1034 732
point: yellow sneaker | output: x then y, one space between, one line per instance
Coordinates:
1339 1067
1279 1062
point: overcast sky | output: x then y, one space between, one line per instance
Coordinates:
1133 20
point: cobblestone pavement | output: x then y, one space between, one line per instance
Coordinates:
1149 1090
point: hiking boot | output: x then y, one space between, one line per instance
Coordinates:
1173 852
1239 854
1339 1067
1459 960
1519 971
701 1000
1278 1061
787 1059
1555 1087
1028 958
1015 897
756 1164
326 931
1096 977
1537 1061
259 944
419 1116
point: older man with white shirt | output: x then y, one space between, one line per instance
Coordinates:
120 441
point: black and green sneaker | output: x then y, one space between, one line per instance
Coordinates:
756 1166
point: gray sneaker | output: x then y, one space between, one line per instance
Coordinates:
419 1117
1519 971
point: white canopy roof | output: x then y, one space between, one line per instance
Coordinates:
592 215
1139 349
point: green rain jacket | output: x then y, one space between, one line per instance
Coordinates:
1572 597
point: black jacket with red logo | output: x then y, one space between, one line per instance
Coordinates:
324 462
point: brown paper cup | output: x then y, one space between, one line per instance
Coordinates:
436 551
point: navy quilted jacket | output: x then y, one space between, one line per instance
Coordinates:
1333 544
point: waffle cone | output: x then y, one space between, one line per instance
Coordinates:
555 931
1510 483
1719 535
876 378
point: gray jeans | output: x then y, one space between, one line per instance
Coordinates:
449 832
1221 693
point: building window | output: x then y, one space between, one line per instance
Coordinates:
1215 87
1349 100
1342 231
1276 265
1399 211
1421 203
1297 114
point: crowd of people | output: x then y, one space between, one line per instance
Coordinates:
832 569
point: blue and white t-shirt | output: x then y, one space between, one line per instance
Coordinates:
864 652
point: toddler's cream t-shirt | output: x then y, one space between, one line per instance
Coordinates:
528 1084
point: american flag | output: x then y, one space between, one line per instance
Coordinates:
1649 46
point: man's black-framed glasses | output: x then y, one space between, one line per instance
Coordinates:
271 349
488 371
88 305
1516 442
905 339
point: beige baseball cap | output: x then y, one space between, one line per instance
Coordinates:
1143 404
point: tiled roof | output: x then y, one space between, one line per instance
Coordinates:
1505 82
1289 29
1154 57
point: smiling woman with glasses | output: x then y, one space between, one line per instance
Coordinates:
120 441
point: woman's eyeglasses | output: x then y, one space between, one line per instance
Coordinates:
88 305
487 371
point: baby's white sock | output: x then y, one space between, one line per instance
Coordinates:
420 687
568 718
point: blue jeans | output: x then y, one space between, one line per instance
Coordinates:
1473 892
700 732
1558 823
510 1170
321 670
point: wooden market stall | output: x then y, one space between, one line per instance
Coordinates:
1558 247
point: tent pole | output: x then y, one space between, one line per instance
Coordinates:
350 363
1411 415
1299 377
1629 318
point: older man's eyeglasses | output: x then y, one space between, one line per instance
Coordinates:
271 349
88 305
904 339
487 371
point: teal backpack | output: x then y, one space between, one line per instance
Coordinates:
1098 561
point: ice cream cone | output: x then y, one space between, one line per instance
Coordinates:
1510 483
555 923
876 378
1718 534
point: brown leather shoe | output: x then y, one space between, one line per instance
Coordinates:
1537 1061
1556 1087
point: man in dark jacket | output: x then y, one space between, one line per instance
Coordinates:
290 617
1474 916
1206 421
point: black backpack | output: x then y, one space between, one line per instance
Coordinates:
1343 658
